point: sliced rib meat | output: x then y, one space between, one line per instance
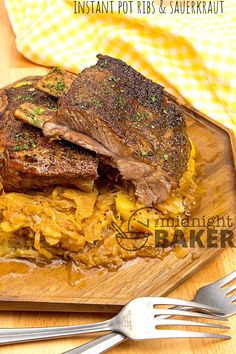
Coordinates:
130 121
28 160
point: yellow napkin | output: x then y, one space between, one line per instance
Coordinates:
193 56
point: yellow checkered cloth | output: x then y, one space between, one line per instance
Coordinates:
193 56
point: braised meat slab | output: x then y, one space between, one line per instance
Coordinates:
28 160
118 113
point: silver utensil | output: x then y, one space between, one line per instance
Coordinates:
137 320
212 294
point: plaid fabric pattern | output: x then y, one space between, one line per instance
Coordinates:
193 56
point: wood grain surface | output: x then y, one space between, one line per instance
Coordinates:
12 67
25 286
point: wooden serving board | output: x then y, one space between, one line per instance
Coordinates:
28 287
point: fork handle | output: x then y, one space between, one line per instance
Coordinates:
99 345
108 341
20 335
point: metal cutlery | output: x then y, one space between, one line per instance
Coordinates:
212 294
139 319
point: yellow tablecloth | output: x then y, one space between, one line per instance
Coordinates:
191 55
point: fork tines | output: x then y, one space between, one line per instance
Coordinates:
172 333
156 301
172 312
226 279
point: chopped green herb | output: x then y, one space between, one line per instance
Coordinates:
52 106
32 142
144 153
112 78
48 86
103 65
137 117
18 136
97 102
20 147
146 115
35 115
24 142
35 119
119 100
153 99
39 110
27 97
166 156
164 111
56 70
60 85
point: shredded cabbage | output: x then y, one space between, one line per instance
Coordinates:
74 225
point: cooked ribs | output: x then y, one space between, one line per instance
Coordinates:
28 160
118 113
57 82
33 114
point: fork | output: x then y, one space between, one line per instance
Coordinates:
212 294
137 320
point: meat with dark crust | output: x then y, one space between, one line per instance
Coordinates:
117 112
28 160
